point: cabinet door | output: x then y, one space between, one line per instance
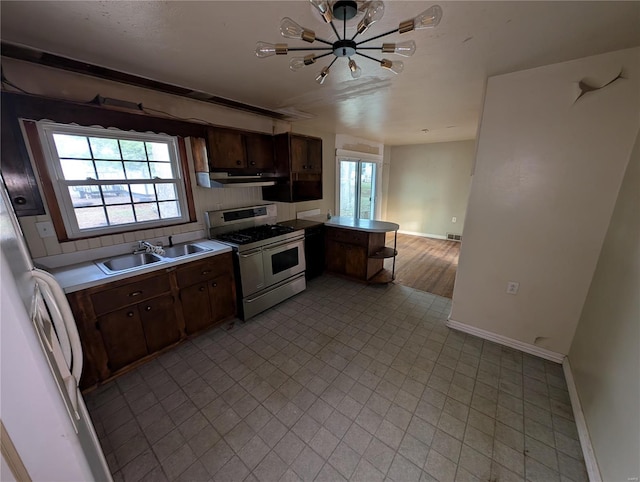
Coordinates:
226 149
222 297
259 149
123 337
196 307
356 262
159 322
298 146
314 155
336 257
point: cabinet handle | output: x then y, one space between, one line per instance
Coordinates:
253 163
214 284
135 293
204 273
238 163
148 308
201 288
130 314
20 200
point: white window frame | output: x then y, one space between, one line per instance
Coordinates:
346 155
46 129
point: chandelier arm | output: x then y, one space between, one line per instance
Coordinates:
335 29
323 41
367 57
332 62
323 55
368 48
378 36
309 48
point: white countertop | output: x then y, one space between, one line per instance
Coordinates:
368 225
86 275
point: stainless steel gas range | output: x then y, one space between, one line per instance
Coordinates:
269 259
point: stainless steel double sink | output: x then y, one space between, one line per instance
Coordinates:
138 260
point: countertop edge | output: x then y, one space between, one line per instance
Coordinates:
87 275
366 225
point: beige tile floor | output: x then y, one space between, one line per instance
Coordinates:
342 382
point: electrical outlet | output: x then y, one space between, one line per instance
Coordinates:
512 287
454 219
45 229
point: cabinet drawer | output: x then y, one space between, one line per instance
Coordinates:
348 236
114 298
199 271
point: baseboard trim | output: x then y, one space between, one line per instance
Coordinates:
423 235
581 424
503 340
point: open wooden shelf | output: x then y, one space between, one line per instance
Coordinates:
384 253
383 276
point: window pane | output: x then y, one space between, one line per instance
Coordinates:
162 170
85 196
116 194
73 170
166 192
122 214
169 209
367 186
147 212
104 148
90 217
133 150
110 170
348 170
137 170
158 151
143 192
72 146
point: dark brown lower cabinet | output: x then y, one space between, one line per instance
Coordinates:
123 337
125 321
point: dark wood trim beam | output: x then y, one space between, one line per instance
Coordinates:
64 63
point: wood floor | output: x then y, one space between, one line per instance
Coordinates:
426 264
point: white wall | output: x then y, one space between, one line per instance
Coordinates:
605 353
70 86
548 170
429 185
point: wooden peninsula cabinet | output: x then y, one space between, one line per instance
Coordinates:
125 321
356 248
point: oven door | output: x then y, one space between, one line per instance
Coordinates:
282 261
252 276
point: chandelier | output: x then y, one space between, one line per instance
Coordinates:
348 47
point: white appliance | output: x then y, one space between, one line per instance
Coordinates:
41 407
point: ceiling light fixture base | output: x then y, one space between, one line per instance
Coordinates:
344 48
345 9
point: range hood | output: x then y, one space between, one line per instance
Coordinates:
205 178
224 179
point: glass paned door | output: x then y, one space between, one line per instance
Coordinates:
357 189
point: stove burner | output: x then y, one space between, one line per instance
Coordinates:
257 233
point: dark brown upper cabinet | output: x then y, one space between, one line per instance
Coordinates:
298 160
233 150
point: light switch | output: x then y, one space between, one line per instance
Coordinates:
45 229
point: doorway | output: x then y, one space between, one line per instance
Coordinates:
358 190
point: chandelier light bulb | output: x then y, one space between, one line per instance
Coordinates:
396 67
374 13
322 76
290 29
297 63
323 7
264 49
356 71
429 18
405 49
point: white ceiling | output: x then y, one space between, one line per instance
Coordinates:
209 46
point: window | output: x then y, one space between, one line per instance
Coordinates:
109 181
358 186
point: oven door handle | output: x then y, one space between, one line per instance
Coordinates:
248 254
289 242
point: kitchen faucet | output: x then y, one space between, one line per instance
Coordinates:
147 247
